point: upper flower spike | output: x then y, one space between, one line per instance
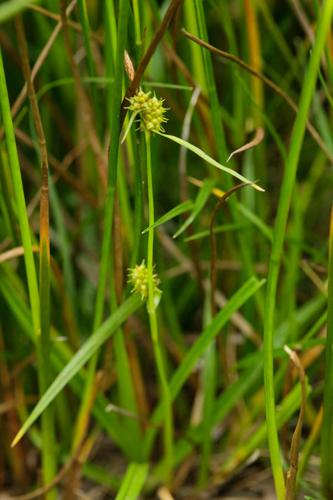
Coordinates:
150 109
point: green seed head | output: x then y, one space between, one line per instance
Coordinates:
150 110
138 277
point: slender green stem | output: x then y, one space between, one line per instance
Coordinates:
137 23
20 200
167 405
278 239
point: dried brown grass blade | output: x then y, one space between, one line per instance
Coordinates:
260 134
295 442
291 103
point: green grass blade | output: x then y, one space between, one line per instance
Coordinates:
133 481
210 160
287 408
217 230
199 347
183 207
88 349
13 7
20 200
198 205
225 403
256 221
278 240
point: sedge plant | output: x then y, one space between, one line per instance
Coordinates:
118 427
144 280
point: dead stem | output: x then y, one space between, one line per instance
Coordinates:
61 167
72 24
40 492
15 252
295 442
250 11
10 421
38 64
259 136
134 85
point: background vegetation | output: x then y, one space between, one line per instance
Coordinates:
223 389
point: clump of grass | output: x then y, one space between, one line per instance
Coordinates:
149 327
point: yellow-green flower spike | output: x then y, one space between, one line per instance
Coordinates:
150 110
138 277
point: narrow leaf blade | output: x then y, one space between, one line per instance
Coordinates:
210 160
12 8
79 359
133 481
185 206
199 203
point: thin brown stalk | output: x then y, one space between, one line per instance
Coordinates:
74 472
303 20
291 103
305 24
310 442
40 492
253 36
21 366
238 320
44 222
72 24
61 167
10 404
12 425
74 469
183 69
295 442
134 85
313 276
202 105
7 45
15 252
39 63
